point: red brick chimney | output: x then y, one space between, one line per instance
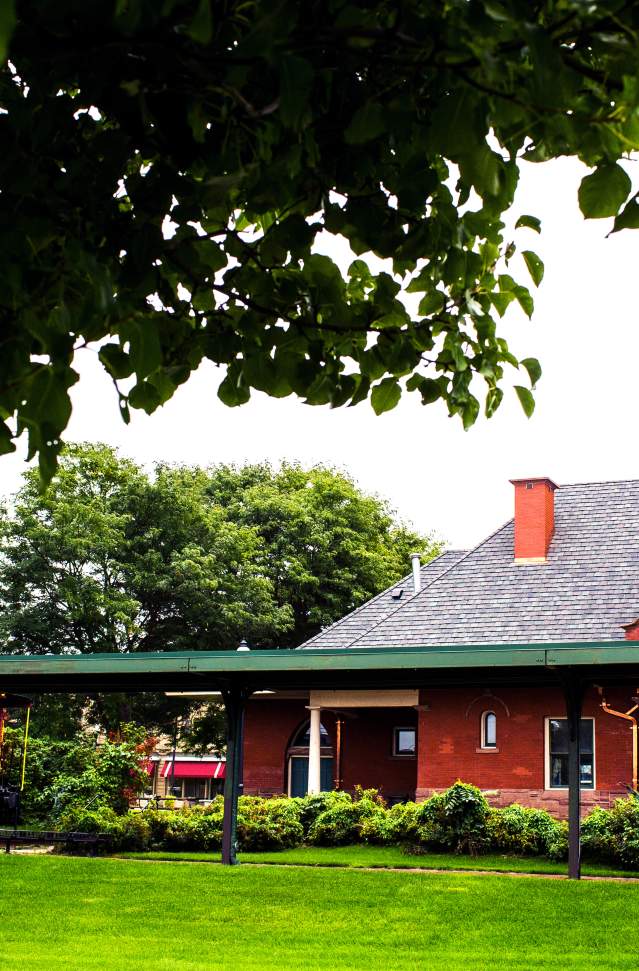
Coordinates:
632 631
534 519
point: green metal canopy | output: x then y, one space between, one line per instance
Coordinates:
236 674
351 667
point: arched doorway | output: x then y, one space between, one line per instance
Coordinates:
297 761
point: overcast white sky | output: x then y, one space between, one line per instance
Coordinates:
437 476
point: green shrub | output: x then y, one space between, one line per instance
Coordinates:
268 824
613 834
456 820
129 832
516 829
342 821
311 806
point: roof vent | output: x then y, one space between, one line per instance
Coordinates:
397 593
417 576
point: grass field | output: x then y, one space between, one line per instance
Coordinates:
392 856
71 914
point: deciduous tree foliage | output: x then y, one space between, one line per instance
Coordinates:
111 559
247 127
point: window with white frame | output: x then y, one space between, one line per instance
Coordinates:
557 749
489 729
404 741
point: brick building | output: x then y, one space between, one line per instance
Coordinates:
564 570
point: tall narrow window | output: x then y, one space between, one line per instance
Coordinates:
489 730
558 746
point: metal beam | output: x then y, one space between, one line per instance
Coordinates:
234 703
574 692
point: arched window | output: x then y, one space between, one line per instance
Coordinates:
489 729
303 737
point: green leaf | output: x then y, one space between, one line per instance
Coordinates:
232 391
502 300
144 396
533 367
7 26
201 27
493 401
117 363
535 266
604 191
146 351
432 303
628 218
367 123
385 395
526 399
529 222
296 81
525 300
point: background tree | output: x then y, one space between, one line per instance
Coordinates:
112 559
167 167
329 546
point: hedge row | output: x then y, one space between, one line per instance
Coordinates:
458 820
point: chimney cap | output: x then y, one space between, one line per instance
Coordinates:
535 478
243 646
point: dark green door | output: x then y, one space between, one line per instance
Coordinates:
299 775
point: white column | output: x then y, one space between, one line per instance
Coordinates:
314 755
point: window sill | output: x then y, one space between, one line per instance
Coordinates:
398 755
487 751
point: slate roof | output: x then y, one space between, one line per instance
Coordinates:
586 591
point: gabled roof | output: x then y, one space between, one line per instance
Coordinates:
353 625
586 591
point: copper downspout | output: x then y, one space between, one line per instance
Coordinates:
628 715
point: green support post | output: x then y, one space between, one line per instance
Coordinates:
234 699
573 693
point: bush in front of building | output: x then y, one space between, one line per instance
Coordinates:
129 832
268 824
342 820
526 832
612 835
458 820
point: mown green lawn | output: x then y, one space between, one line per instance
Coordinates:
77 914
391 856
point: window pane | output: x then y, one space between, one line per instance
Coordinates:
559 770
490 730
559 744
194 789
587 774
304 736
585 735
405 741
559 735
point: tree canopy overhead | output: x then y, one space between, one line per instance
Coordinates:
249 126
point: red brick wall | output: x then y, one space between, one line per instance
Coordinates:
367 752
448 740
449 732
367 738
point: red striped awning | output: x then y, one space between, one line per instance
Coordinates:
194 770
